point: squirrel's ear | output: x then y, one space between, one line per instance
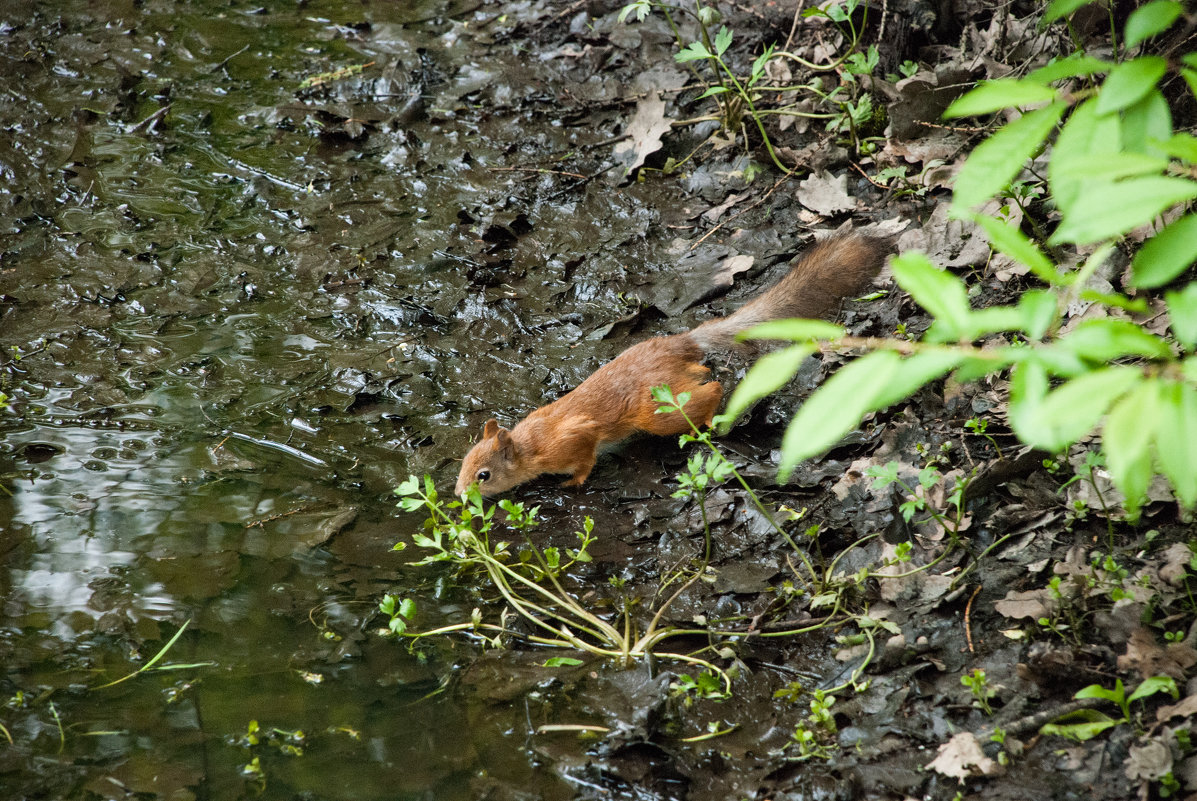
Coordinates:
506 444
490 429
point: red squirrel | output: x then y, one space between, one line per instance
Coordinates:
615 401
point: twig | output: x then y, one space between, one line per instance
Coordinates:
261 522
794 25
867 178
742 212
537 169
1034 722
577 728
225 63
147 123
544 23
968 625
959 128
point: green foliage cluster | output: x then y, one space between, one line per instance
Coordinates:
849 109
465 535
1116 164
1085 724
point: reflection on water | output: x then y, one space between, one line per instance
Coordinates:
229 330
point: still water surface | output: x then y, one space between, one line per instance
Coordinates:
235 313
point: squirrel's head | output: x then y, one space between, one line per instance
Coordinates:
491 463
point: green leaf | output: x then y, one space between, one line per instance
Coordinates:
1116 695
1167 254
1008 240
992 96
1190 76
562 661
1181 146
1113 166
407 608
1104 340
693 52
795 330
758 64
1147 123
1108 208
1155 684
996 161
1040 310
942 294
1061 8
916 371
1176 439
1087 730
1116 300
770 373
972 369
836 408
1189 368
1070 411
1182 312
1129 82
1071 66
714 90
1130 427
1150 19
993 319
723 40
1085 139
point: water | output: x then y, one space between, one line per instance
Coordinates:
230 327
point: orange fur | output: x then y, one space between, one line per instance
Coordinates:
616 402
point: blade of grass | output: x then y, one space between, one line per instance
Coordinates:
153 661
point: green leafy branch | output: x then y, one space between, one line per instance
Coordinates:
1116 165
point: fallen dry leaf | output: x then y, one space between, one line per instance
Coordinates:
1148 762
1032 603
1176 563
1187 707
961 757
645 130
826 194
1145 656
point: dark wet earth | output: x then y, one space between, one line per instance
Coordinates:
236 310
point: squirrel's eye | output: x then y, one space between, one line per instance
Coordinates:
483 475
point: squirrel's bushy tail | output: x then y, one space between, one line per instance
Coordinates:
829 271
